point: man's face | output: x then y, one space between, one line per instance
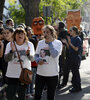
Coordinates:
37 25
11 23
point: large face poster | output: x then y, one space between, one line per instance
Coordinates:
45 55
37 25
73 19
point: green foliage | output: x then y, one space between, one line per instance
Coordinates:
12 2
58 9
17 13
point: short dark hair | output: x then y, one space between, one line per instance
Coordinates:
61 25
8 20
2 30
74 28
10 29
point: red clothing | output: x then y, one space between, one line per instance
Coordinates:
34 64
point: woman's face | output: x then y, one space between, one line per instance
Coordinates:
7 35
47 33
72 32
20 38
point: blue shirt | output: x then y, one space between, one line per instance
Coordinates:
75 55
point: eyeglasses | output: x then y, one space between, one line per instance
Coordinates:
40 22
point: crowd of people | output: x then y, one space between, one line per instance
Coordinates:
50 55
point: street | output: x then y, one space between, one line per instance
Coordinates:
63 94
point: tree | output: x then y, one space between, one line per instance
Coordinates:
1 8
34 8
31 8
59 7
17 13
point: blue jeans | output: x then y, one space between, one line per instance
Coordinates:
31 86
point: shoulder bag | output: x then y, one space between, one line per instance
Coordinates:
26 75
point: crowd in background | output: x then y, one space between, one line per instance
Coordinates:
56 52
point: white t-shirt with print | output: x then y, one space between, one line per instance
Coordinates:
51 66
14 68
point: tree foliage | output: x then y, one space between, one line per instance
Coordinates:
18 15
12 2
58 9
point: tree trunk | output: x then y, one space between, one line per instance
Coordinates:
31 8
1 8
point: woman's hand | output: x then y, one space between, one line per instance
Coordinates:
41 62
49 39
13 47
64 41
28 51
69 40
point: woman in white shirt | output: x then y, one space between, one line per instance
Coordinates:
26 52
48 68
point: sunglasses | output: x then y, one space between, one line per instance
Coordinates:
40 22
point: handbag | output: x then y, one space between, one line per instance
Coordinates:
26 75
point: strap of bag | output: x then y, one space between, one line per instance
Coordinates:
18 55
